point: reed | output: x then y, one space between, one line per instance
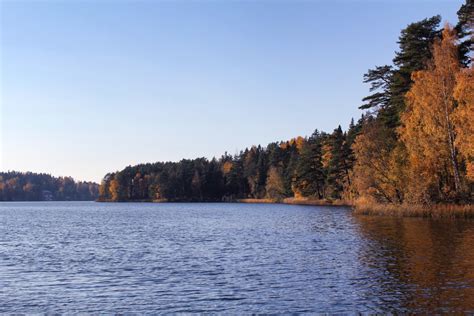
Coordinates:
256 201
410 210
308 201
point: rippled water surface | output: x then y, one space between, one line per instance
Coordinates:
234 258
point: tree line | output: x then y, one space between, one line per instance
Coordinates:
29 186
414 143
313 166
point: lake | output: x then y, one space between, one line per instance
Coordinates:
229 258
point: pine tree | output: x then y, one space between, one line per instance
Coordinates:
309 173
465 29
262 170
290 167
336 168
415 51
390 84
380 79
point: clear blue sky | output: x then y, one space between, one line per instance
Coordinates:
89 87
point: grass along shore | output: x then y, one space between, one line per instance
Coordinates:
378 209
410 210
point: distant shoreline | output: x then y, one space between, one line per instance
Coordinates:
289 201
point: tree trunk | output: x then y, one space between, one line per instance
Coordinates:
452 150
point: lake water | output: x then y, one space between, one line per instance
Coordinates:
230 258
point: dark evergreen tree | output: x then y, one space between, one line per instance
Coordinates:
380 79
262 172
291 161
336 168
465 31
415 43
309 173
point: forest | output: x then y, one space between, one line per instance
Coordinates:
19 186
413 144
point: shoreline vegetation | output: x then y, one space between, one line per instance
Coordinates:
411 153
301 201
461 211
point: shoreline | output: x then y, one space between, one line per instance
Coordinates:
293 201
457 211
288 201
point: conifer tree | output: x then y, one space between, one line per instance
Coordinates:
336 168
415 51
309 174
465 29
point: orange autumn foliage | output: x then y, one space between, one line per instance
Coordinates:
432 159
428 127
464 118
377 173
227 167
114 190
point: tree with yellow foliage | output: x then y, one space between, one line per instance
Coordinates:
428 127
114 189
275 187
378 173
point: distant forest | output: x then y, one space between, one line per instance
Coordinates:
19 186
413 144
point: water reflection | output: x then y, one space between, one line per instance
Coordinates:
427 264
